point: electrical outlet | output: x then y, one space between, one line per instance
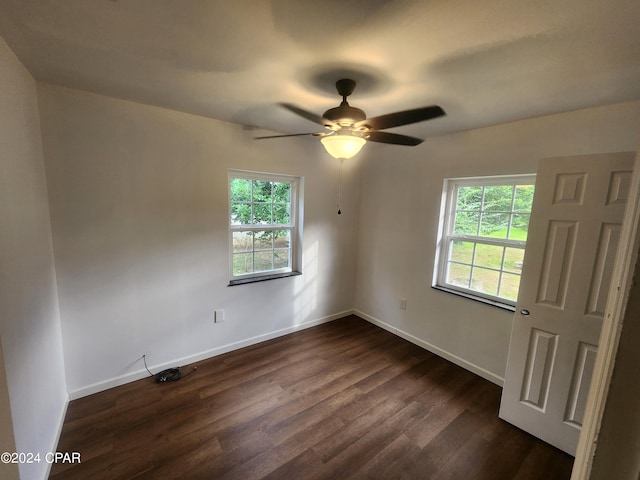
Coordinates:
403 304
218 316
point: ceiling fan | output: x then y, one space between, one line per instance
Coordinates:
348 128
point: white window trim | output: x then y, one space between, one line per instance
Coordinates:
295 226
445 235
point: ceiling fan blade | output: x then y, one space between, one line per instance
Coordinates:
288 135
305 114
393 138
405 117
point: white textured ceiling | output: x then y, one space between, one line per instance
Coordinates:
483 61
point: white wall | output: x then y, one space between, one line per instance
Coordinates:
139 209
29 314
400 205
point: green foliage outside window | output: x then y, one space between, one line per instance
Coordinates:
267 205
256 202
500 211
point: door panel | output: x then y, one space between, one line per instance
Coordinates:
573 236
607 247
540 358
557 257
585 361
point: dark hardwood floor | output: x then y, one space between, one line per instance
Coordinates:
341 400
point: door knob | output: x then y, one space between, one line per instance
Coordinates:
525 312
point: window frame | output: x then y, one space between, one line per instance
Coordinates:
446 236
294 226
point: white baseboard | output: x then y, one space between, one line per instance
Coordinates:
461 362
56 442
197 357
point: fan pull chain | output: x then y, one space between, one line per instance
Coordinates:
340 187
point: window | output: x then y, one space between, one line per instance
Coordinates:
484 229
263 226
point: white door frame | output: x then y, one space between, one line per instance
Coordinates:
617 300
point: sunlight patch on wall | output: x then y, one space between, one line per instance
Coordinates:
306 290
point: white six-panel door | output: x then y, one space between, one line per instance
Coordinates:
573 236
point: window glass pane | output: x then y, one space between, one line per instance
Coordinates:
497 198
281 214
499 215
242 241
519 226
240 190
240 214
459 275
488 256
469 198
484 280
263 240
262 213
494 225
513 258
509 286
262 201
523 198
466 223
282 239
242 263
461 251
281 257
263 261
282 192
261 191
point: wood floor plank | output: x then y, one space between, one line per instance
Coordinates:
352 459
344 400
451 439
358 428
543 458
508 451
394 461
265 463
302 466
466 461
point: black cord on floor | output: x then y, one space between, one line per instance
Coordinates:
168 375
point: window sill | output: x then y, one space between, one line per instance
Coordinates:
263 278
493 303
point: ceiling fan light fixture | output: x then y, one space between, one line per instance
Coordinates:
342 146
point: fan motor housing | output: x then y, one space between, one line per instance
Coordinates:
345 114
